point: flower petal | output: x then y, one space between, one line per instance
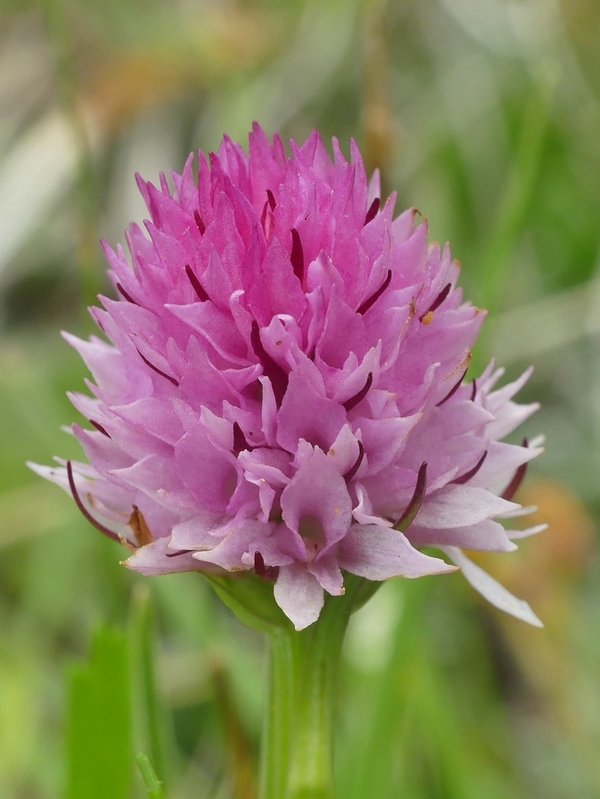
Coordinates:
489 588
487 535
299 595
460 506
154 559
317 496
379 553
239 536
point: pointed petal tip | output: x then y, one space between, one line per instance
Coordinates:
527 532
534 620
519 510
495 593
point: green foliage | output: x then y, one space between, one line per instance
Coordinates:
99 735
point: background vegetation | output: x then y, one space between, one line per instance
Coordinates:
485 115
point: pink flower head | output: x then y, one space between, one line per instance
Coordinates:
283 391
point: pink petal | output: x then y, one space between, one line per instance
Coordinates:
487 535
379 553
317 495
304 414
460 506
153 559
328 573
489 588
238 538
299 595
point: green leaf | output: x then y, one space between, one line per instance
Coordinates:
99 763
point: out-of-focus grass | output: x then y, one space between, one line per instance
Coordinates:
485 117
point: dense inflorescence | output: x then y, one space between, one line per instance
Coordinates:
283 391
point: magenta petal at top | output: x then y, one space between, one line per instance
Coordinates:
283 358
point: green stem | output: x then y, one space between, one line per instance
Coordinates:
276 743
153 784
297 754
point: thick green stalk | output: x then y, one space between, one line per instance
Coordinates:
297 755
317 660
297 742
279 714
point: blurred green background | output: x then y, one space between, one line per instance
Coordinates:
485 115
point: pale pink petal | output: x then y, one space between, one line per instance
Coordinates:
515 535
328 573
306 415
158 558
489 588
316 503
460 506
299 595
202 531
486 535
238 537
345 451
379 553
363 512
